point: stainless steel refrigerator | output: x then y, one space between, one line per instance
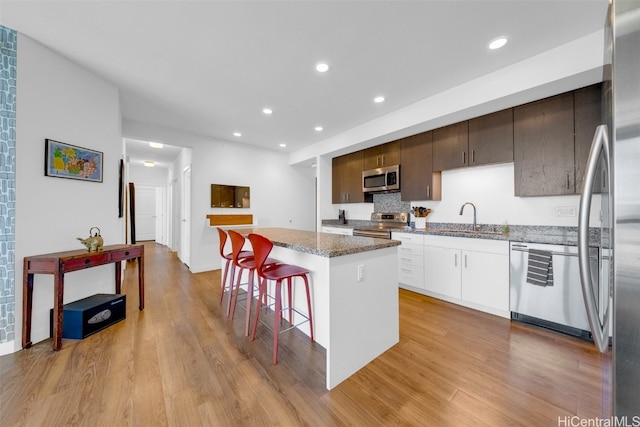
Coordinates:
614 172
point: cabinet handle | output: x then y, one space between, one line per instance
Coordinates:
464 157
377 160
347 197
465 261
567 181
383 160
455 263
405 259
473 156
428 191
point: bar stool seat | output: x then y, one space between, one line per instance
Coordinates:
228 257
244 260
262 248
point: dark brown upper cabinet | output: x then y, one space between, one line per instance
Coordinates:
491 138
587 116
346 178
417 180
450 146
382 155
543 147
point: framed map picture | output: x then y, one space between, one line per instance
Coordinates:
69 161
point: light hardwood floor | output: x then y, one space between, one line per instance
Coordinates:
180 362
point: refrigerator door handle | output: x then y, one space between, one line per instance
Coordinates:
599 330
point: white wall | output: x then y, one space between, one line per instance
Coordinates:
149 176
281 195
491 190
60 100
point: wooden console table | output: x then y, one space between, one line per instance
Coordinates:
64 262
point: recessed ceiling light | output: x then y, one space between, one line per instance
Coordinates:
155 145
238 134
149 163
322 67
267 110
378 99
318 128
283 145
497 43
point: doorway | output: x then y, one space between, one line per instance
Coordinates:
145 213
185 247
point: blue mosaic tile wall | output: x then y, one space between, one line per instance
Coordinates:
8 65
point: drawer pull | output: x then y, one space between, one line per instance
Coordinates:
87 261
126 253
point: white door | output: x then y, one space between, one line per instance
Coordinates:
160 208
442 268
185 250
145 213
174 219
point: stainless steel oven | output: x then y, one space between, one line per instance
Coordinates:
383 224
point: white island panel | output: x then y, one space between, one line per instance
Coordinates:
355 321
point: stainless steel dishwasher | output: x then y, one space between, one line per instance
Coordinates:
560 305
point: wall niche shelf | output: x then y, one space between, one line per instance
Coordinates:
227 220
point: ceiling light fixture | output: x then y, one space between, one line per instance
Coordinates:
267 110
322 67
149 164
282 145
238 134
318 128
498 43
378 99
155 145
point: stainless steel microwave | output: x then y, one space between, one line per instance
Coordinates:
381 179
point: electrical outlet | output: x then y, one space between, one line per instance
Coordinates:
565 211
360 272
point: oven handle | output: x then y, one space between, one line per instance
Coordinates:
374 234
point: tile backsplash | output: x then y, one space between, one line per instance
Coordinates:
390 202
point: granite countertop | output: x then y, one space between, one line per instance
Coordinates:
553 235
322 244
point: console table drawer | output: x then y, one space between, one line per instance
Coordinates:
128 253
86 262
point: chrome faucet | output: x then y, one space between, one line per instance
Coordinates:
474 213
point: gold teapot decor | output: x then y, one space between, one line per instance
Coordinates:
94 242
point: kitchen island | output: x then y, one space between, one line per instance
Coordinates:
354 287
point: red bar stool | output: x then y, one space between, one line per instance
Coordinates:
229 258
244 263
262 248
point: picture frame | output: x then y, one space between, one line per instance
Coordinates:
62 160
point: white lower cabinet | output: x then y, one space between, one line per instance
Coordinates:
470 272
465 271
485 279
338 230
410 260
442 270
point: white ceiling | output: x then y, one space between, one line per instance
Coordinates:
210 67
